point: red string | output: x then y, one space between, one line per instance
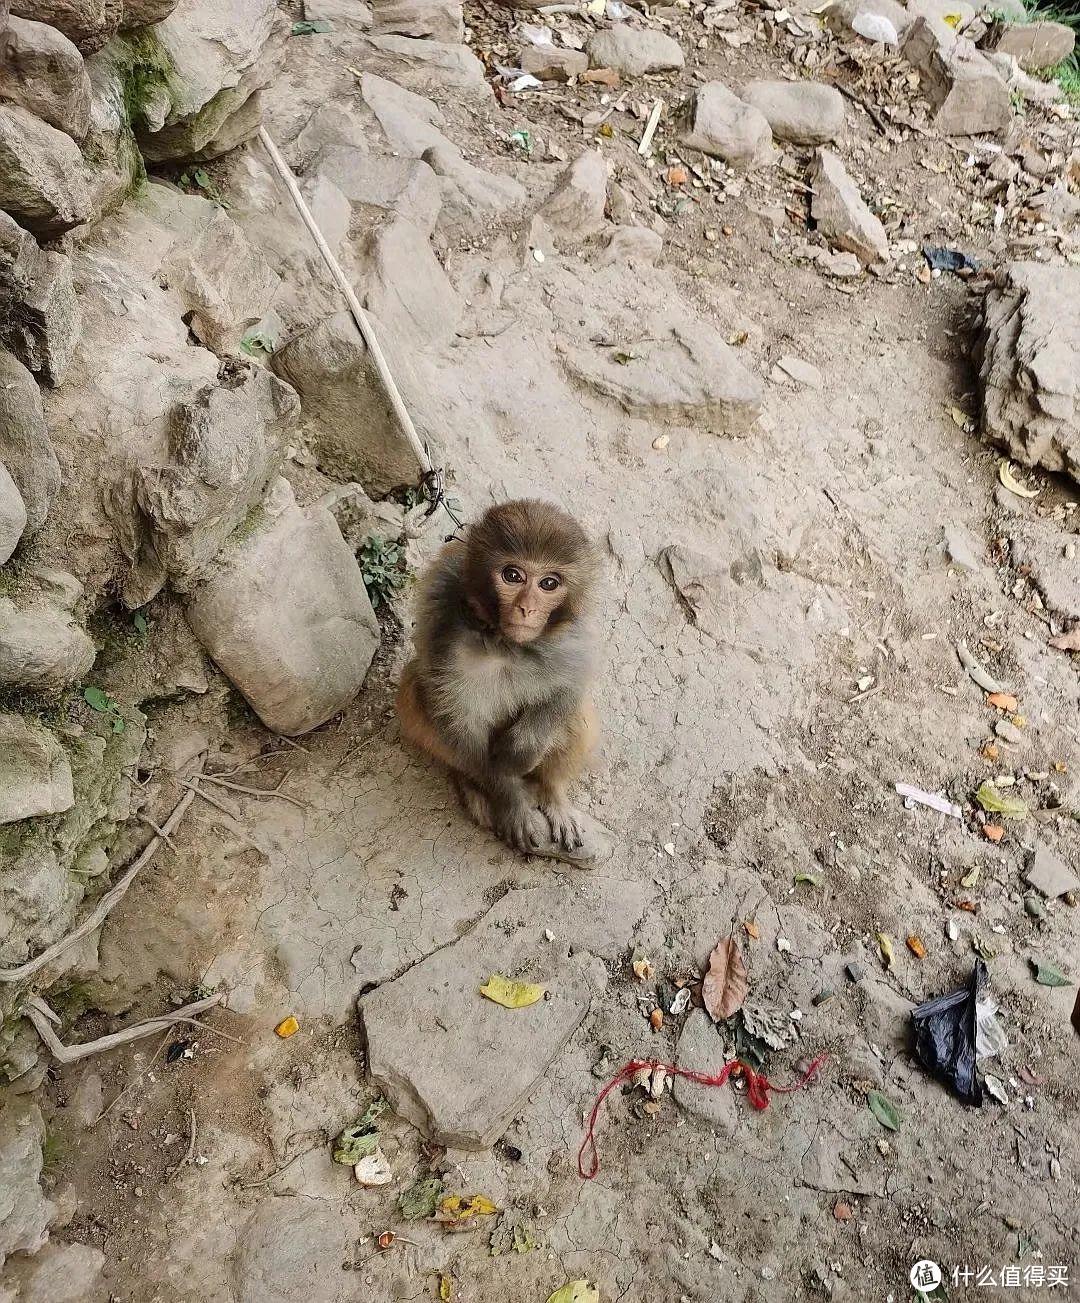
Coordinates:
758 1087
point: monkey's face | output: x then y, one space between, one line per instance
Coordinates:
528 595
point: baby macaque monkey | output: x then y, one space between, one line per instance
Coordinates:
497 691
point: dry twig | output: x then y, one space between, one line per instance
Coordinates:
40 1014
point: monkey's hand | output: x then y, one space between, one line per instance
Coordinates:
565 824
520 826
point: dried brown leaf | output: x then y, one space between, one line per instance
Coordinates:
725 985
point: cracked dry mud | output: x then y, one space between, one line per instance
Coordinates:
750 583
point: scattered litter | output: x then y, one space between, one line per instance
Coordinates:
767 1025
661 442
525 82
1009 480
643 969
575 1291
287 1027
361 1139
995 1088
945 1036
386 1239
536 34
681 1002
521 141
312 27
676 175
420 1201
1002 701
884 1110
916 795
446 1289
601 77
811 879
511 995
657 1080
650 127
940 259
842 1211
970 879
751 929
177 1050
374 1169
916 947
990 1038
656 1019
991 800
783 945
1049 975
458 1212
993 832
975 671
888 955
724 987
875 27
952 930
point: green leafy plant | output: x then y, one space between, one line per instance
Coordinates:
382 564
99 700
199 179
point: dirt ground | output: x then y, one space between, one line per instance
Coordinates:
740 754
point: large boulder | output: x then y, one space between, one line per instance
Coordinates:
634 51
87 23
344 414
25 1213
721 124
41 646
213 56
575 208
1026 350
25 447
44 181
1037 46
225 446
39 315
12 515
35 774
60 1273
438 20
423 65
804 112
286 617
42 71
965 91
141 13
840 213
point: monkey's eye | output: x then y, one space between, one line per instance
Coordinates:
549 583
512 575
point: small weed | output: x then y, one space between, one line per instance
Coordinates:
99 700
383 567
52 1154
198 179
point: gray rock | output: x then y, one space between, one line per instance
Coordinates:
405 186
789 368
118 170
553 62
141 13
406 288
87 23
290 1249
12 515
701 1049
944 17
42 71
963 549
840 214
724 126
344 415
682 372
39 316
25 1213
636 245
25 447
431 65
220 53
709 589
1008 732
41 646
1026 350
1037 46
575 208
225 447
468 190
60 1273
1050 874
35 775
43 177
89 1098
480 1061
342 13
965 91
804 112
634 51
438 20
286 617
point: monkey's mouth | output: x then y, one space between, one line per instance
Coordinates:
521 632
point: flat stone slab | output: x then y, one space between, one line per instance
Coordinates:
454 1064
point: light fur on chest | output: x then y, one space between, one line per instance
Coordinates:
486 688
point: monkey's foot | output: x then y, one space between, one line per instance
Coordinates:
590 843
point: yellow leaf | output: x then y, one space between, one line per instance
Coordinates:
952 19
455 1210
885 942
1006 476
575 1291
445 1289
287 1027
511 995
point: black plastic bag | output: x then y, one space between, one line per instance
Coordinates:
948 259
945 1031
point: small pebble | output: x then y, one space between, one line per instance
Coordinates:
842 1211
855 971
823 997
1034 907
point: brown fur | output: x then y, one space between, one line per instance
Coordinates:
497 690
